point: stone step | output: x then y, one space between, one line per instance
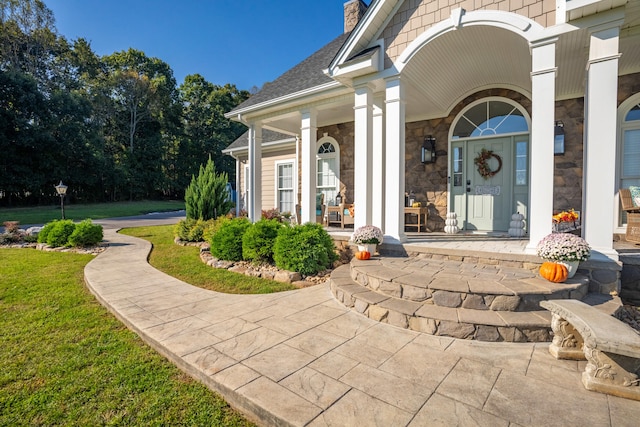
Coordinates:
458 322
463 284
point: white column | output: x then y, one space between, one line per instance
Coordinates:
255 172
238 188
543 90
600 140
377 198
394 162
362 159
309 136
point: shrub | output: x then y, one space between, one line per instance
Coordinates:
60 232
44 233
270 214
212 227
226 243
306 248
86 234
258 240
183 228
207 197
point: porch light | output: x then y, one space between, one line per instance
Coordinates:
62 191
558 140
429 150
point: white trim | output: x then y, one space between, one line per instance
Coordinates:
524 27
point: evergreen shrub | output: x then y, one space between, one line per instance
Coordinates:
306 248
86 234
226 243
60 232
207 197
258 240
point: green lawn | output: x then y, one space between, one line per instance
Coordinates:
44 214
183 262
65 360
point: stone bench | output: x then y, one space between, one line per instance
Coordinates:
611 348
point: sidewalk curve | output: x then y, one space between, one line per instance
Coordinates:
301 358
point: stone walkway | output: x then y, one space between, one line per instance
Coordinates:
301 358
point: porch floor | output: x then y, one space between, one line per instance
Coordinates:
497 243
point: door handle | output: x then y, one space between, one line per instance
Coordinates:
468 189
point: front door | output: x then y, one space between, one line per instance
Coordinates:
483 191
489 193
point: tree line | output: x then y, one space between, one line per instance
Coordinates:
114 127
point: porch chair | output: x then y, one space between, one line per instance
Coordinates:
320 209
347 214
628 198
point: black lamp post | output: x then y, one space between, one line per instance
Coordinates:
62 190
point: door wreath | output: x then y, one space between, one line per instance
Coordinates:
483 167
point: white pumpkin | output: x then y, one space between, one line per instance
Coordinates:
517 216
516 224
516 232
451 223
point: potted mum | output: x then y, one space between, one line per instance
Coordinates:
566 249
367 238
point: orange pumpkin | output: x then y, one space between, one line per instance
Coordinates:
363 255
553 272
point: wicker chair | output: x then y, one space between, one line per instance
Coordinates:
633 216
320 209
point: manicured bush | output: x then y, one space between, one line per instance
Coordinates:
213 225
60 232
258 240
191 230
43 235
207 196
306 248
226 243
86 233
183 228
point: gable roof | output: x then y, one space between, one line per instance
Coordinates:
268 136
307 74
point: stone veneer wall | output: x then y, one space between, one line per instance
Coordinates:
415 16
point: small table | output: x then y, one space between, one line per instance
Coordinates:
421 212
335 210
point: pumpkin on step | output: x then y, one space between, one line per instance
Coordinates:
553 272
363 255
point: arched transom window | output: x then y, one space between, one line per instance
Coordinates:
488 118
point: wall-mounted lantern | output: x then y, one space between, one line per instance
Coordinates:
428 150
558 139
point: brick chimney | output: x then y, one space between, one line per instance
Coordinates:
353 11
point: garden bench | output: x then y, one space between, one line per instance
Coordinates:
611 347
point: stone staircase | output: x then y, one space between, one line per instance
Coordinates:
464 297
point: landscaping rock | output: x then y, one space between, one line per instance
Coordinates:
455 330
287 276
475 302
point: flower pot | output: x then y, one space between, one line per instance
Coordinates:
572 267
369 247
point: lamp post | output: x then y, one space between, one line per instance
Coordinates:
62 190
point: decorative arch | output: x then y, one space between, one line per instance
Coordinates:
328 168
518 24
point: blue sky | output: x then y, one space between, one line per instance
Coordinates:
243 42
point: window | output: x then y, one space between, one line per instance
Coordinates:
328 169
284 184
522 152
457 167
489 118
629 165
